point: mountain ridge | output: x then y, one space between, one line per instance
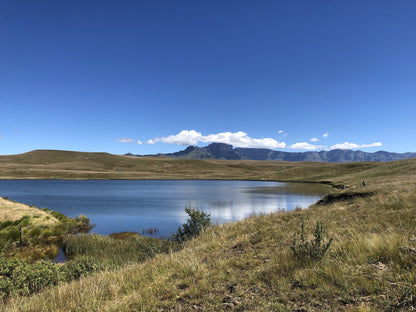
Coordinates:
228 152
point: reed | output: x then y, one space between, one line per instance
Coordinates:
116 251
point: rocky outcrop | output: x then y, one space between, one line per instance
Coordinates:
226 151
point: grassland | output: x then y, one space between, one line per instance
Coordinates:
249 265
47 164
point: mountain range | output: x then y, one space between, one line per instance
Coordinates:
226 151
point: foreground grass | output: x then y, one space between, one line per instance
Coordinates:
249 266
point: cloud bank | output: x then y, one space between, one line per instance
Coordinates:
126 140
348 145
237 139
306 146
241 139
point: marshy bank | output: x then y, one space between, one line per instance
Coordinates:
33 233
87 254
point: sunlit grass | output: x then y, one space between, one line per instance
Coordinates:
12 211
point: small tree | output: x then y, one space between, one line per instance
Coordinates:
312 250
197 221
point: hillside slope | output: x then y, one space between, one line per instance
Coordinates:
49 164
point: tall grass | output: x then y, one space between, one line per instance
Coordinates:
116 252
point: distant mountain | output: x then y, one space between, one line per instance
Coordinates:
226 151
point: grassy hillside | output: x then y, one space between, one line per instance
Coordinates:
12 211
250 266
79 165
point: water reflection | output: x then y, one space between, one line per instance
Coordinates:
115 206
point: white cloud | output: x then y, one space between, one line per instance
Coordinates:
325 135
241 139
237 139
1 137
185 137
348 145
306 146
282 134
314 139
126 140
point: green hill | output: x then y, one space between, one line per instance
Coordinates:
49 164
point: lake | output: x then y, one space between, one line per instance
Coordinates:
135 205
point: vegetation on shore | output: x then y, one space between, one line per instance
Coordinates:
33 233
86 254
257 265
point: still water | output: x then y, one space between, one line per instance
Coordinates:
135 205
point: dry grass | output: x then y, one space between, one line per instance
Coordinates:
78 165
12 211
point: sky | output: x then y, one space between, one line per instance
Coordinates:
157 76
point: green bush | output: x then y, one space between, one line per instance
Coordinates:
197 221
315 249
80 267
56 214
32 278
35 232
24 221
82 224
5 224
19 277
11 233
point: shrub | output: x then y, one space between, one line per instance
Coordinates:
22 278
24 221
310 250
29 279
82 224
5 224
12 233
197 221
80 267
35 232
58 215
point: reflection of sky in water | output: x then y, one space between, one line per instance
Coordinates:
116 206
230 210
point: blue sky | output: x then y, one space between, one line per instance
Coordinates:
156 76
